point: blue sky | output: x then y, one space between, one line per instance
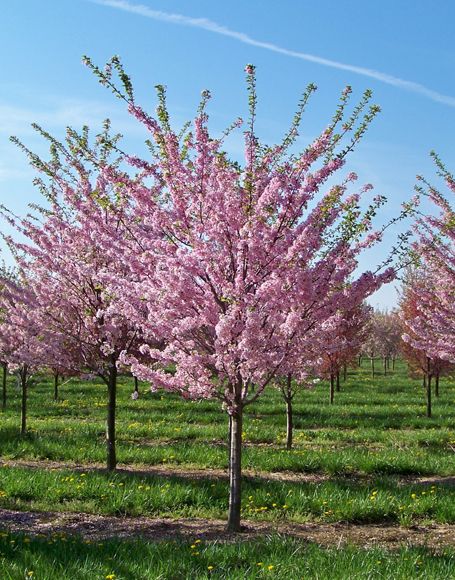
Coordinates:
401 49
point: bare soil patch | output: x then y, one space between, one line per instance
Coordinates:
209 473
96 528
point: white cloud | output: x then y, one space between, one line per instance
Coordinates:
211 26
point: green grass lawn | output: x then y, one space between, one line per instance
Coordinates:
368 446
61 557
374 427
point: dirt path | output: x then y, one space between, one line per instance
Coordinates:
95 527
198 473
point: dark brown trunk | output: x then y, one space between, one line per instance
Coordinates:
23 376
111 408
332 389
136 385
235 468
56 387
436 386
5 370
429 376
393 363
289 416
345 372
360 361
385 366
338 386
372 367
289 424
429 396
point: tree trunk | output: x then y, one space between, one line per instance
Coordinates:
360 361
436 386
56 387
136 385
345 372
385 366
23 376
393 363
428 389
429 396
338 386
289 416
372 367
235 469
111 408
289 424
5 369
332 389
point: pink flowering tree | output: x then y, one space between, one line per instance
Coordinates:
240 266
432 330
5 276
420 362
83 316
346 335
384 337
21 344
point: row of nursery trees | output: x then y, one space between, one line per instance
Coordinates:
206 277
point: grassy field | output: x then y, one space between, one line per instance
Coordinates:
272 557
360 461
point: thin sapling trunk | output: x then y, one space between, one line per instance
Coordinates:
288 396
5 371
111 408
56 387
23 374
428 390
235 467
429 396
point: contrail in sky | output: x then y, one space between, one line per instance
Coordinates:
211 26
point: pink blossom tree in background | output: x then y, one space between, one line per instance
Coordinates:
77 303
419 361
5 276
242 266
387 330
433 329
22 344
347 335
371 347
428 304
